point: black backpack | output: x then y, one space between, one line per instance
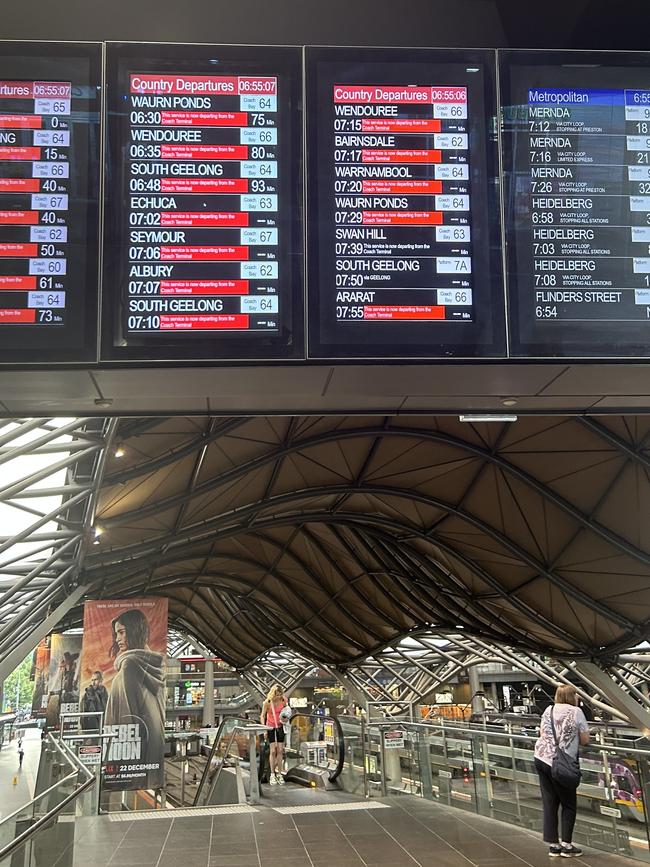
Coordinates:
565 770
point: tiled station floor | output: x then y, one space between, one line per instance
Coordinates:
404 832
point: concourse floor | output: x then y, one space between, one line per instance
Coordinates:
404 832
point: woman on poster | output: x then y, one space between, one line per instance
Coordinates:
137 692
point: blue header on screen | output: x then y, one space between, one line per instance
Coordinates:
574 96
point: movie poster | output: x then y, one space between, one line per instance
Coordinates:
123 675
40 675
63 678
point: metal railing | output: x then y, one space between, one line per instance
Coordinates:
39 817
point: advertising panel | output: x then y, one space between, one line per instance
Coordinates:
63 679
123 667
40 674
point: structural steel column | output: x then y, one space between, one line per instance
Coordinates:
475 687
637 715
208 702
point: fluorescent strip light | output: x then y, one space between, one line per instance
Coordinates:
486 416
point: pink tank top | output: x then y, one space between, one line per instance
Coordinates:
273 713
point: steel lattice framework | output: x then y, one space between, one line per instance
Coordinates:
50 473
279 665
411 670
336 536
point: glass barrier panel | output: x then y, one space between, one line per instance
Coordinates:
611 812
459 770
353 776
401 761
374 763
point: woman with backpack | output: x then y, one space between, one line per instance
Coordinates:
563 729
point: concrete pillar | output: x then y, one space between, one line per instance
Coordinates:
478 705
208 703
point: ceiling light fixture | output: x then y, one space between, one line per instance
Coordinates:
104 402
486 416
119 452
508 401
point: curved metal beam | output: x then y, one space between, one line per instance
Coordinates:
292 497
388 432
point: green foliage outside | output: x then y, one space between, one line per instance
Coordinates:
18 681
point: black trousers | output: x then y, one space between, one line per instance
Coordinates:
554 796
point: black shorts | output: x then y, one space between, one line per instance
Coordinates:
276 736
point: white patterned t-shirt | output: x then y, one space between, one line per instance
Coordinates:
569 722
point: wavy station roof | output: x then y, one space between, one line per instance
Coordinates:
335 536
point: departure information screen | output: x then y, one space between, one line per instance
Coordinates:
204 224
403 213
576 159
50 103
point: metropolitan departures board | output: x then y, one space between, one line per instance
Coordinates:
50 107
576 162
404 256
203 226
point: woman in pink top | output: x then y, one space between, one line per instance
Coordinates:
270 716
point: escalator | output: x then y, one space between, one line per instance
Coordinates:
314 751
313 759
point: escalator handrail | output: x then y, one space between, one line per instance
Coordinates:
217 740
341 738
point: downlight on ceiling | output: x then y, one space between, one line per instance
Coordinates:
486 416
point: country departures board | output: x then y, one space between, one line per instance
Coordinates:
50 107
203 238
403 206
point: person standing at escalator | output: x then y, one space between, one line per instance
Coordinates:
272 716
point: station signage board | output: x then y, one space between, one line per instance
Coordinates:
576 162
403 211
203 240
50 106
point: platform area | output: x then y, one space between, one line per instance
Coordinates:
402 831
17 784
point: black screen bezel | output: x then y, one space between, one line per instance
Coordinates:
485 336
195 59
76 341
566 342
